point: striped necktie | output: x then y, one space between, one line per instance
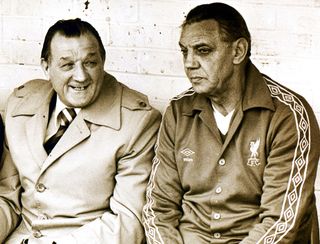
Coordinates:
66 116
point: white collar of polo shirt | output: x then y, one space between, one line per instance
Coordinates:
223 122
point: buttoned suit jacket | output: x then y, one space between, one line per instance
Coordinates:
91 187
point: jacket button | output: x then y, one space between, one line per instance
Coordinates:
222 162
216 216
218 190
217 235
40 187
37 234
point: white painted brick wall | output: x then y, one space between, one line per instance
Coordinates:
141 38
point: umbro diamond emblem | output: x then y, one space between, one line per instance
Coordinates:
187 152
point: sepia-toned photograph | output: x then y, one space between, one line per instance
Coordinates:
159 121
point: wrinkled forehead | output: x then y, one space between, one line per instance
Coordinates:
60 40
203 30
62 45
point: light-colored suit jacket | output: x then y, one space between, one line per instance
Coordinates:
91 187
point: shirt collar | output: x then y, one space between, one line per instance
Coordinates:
104 111
257 93
223 122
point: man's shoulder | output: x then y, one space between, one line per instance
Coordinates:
130 99
133 99
32 86
283 96
290 104
27 98
184 102
185 96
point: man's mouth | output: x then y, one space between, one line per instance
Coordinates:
79 88
195 78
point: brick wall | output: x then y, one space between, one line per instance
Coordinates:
141 39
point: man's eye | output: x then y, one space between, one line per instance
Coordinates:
204 50
90 63
67 66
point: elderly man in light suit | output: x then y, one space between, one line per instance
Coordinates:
78 148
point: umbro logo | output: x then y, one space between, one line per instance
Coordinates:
187 152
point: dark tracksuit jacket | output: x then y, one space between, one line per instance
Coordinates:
256 186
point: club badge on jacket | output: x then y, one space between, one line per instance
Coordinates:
253 160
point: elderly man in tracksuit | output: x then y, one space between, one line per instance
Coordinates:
237 153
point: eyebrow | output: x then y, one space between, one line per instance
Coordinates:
65 59
197 45
69 58
91 54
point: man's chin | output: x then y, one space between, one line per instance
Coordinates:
78 103
199 90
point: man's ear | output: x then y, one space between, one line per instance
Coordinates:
45 67
240 50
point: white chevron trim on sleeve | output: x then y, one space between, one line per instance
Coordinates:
290 206
152 232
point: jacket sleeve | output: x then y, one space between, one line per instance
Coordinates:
164 193
288 197
123 223
9 195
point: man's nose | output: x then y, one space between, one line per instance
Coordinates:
79 73
190 61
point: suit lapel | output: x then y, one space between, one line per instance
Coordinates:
105 111
76 133
35 131
36 126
